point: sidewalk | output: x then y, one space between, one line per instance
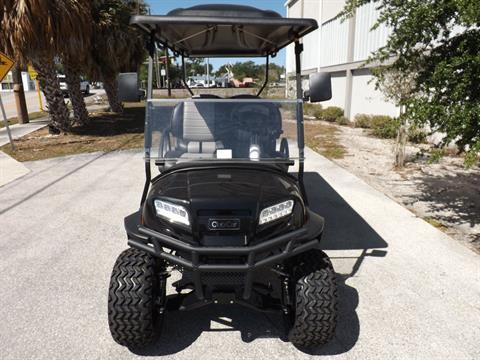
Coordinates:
20 130
11 169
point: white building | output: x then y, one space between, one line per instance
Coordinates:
341 49
7 83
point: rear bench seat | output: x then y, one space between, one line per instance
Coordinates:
193 124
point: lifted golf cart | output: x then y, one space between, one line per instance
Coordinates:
228 208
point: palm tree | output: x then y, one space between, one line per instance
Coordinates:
74 63
35 31
116 46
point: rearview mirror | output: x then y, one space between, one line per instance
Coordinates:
320 87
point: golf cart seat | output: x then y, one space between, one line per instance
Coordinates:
193 125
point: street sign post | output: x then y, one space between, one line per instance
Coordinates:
34 75
32 72
5 65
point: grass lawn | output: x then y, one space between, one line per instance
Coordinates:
106 132
320 137
32 116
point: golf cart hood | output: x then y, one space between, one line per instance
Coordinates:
226 194
224 188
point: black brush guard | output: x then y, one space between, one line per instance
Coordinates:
289 244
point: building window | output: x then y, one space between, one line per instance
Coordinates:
7 86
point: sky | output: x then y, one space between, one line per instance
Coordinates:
161 7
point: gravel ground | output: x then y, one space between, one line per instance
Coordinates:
445 193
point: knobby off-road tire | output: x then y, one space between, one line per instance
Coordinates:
314 300
134 292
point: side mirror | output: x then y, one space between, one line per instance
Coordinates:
320 87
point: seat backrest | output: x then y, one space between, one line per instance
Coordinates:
198 121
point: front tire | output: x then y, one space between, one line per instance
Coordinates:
134 295
314 300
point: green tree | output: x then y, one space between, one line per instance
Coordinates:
197 66
438 41
116 46
36 31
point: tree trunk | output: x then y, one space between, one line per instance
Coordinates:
401 142
58 111
110 85
22 112
72 78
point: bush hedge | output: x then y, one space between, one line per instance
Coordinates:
386 127
331 113
363 121
417 135
342 120
312 109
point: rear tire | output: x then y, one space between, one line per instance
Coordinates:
314 297
134 296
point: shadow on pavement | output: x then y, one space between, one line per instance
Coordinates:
345 230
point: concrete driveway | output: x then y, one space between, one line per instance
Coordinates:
407 291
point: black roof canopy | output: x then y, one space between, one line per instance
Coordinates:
224 30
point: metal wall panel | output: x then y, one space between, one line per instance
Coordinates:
367 40
366 99
334 40
311 54
294 11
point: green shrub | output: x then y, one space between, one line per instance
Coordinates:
436 155
342 120
384 126
363 121
318 113
417 135
312 109
331 113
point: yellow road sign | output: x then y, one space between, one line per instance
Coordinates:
32 72
5 65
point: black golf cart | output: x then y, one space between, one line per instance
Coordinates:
228 208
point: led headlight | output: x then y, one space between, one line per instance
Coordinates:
174 213
275 212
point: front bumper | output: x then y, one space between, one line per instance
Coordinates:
260 255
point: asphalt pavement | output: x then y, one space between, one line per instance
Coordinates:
407 291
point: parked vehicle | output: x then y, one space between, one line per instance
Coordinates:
222 207
84 85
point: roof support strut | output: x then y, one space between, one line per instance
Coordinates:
300 129
184 72
266 76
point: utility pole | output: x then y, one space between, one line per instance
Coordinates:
19 93
167 68
208 72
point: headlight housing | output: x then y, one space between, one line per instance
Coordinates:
172 212
275 212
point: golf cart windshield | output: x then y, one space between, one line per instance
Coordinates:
192 130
